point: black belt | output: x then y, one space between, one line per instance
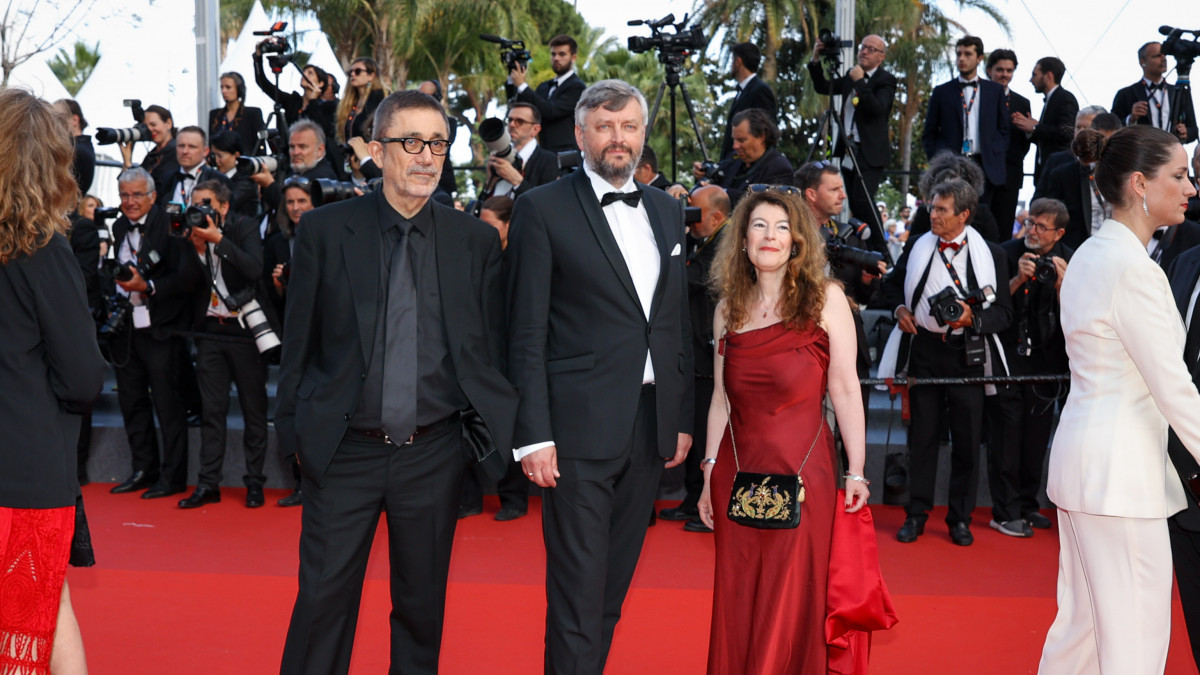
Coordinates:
421 430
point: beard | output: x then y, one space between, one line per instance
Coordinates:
560 70
611 170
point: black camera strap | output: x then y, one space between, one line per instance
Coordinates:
958 284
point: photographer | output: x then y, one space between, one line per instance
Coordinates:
555 99
752 93
191 153
1149 100
235 116
528 166
755 159
317 103
162 275
949 302
85 153
306 151
226 149
231 253
1019 416
160 161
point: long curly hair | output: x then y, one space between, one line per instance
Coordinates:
38 192
734 278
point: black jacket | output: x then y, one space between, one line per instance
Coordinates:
1123 105
702 302
541 168
320 111
1069 184
875 97
51 369
238 257
246 125
161 163
85 163
558 111
1183 275
364 121
944 125
85 244
770 169
757 94
1036 319
1056 129
175 277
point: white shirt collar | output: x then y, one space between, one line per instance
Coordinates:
195 171
602 187
746 81
871 72
974 78
558 81
1051 92
527 150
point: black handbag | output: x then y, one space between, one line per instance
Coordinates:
766 501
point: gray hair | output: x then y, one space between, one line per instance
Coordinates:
965 197
309 125
946 165
613 95
1091 110
134 174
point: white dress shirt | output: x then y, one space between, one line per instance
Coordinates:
939 278
504 187
849 106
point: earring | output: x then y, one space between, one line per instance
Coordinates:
743 249
1145 206
795 250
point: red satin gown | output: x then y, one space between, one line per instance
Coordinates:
770 589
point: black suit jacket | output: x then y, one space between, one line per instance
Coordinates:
757 94
167 195
332 304
541 168
875 97
1183 275
51 370
1123 105
558 111
1056 128
578 334
240 253
85 244
1018 144
1178 239
246 125
1069 184
1054 161
175 278
770 169
944 128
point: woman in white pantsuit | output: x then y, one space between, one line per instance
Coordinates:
1109 472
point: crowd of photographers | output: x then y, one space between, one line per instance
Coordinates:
188 275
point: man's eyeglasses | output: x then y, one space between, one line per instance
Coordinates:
1034 225
868 49
785 189
414 146
517 122
359 71
126 196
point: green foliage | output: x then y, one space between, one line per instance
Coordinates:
73 68
556 17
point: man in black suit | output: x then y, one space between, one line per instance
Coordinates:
1072 184
231 252
306 155
967 116
1184 527
751 92
146 354
373 383
1054 130
755 159
530 165
647 171
954 257
868 92
1154 101
1001 64
600 348
555 99
1083 120
191 149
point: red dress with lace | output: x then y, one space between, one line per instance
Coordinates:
34 547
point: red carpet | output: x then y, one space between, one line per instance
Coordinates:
211 590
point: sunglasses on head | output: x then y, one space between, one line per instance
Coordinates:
785 189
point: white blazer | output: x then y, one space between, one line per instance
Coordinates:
1128 381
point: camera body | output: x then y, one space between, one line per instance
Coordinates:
945 308
672 47
1045 271
832 45
118 307
182 221
512 52
712 171
138 132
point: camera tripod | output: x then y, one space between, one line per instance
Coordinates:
1182 93
672 82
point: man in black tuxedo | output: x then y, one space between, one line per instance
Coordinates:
191 149
868 92
1184 527
755 158
1001 64
306 156
1083 120
530 165
751 92
147 353
600 348
1154 101
1054 130
647 171
967 116
373 382
231 252
1072 184
555 99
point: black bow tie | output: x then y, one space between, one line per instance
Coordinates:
136 227
630 198
1155 87
964 85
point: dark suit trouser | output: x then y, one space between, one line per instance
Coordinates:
512 488
417 488
218 363
1185 550
148 384
594 524
693 475
1004 202
1019 424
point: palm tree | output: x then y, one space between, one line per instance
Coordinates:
764 22
73 68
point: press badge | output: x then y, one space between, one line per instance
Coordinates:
141 316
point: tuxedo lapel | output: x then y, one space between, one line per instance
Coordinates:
602 231
361 251
657 218
1183 291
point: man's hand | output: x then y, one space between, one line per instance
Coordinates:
1023 122
1026 267
906 320
815 55
517 75
698 171
681 450
856 73
503 168
209 234
541 466
1182 132
263 178
359 146
964 320
277 278
869 276
1139 110
135 285
1061 266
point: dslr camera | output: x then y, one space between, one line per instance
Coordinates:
712 171
138 132
944 306
512 52
183 221
117 306
1045 271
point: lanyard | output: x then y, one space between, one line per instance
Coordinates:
968 106
958 285
1158 103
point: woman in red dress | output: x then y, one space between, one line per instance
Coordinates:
50 371
788 338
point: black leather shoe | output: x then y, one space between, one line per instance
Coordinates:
294 499
960 534
160 490
467 512
200 497
510 513
254 496
696 525
678 513
138 481
910 530
1037 520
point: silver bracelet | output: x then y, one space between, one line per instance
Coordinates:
708 460
856 477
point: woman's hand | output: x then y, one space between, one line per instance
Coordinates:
704 506
857 495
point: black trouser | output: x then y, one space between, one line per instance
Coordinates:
594 524
148 384
1019 423
512 488
416 487
218 363
693 475
1185 550
1004 201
